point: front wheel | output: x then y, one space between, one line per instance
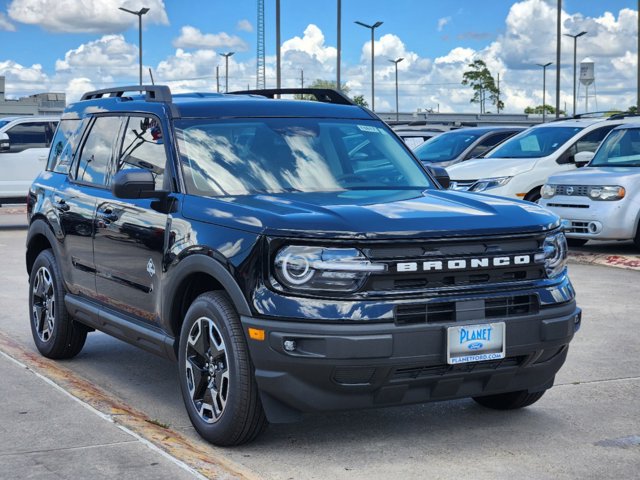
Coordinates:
54 332
216 374
509 401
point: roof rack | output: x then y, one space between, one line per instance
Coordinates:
325 95
153 93
618 116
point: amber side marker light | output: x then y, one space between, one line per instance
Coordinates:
256 334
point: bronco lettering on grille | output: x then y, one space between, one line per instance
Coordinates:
463 263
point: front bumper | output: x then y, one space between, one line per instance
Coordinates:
349 366
595 220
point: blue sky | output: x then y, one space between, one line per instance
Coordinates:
50 44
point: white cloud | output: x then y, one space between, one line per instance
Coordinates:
109 55
21 80
244 26
442 22
5 24
191 37
91 16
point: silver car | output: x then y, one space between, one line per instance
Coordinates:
602 200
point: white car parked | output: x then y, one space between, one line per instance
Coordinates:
602 200
24 149
521 165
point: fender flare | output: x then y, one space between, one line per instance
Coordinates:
40 226
198 263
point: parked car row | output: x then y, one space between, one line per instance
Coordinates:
541 164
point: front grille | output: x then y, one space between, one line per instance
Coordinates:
432 266
573 190
578 227
446 312
566 205
420 371
461 184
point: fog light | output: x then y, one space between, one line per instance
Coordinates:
289 345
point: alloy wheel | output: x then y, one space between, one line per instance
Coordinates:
44 304
207 370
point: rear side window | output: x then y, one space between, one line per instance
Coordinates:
591 141
63 145
97 152
30 135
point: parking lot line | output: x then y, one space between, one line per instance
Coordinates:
203 460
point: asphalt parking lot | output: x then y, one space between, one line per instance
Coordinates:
135 426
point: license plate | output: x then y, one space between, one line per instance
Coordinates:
475 343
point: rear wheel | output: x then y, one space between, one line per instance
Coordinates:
576 242
216 374
636 239
510 401
54 332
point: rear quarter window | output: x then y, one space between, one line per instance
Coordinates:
64 145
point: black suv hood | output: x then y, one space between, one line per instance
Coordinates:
371 214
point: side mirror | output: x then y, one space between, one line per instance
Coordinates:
5 144
582 158
441 175
135 183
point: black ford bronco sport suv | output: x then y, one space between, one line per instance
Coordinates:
292 256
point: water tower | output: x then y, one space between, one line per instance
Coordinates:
588 78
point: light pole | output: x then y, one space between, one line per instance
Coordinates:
226 70
372 28
575 48
558 46
139 13
278 56
544 88
339 41
396 62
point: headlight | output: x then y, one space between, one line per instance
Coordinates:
317 268
487 183
606 193
548 191
554 254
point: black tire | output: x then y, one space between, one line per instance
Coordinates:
510 401
576 242
533 196
54 332
216 374
636 239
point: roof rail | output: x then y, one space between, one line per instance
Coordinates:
153 93
618 116
325 95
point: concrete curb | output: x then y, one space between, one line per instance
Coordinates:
206 460
629 262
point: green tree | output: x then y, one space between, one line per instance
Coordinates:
479 78
319 83
537 110
632 109
359 100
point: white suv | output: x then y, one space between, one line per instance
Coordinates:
521 165
602 200
24 149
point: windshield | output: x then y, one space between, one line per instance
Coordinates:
620 149
274 155
446 146
4 122
535 142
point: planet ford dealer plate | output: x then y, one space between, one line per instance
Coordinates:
475 343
